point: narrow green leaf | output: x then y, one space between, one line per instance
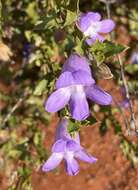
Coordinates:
46 23
40 87
132 68
78 48
74 5
101 51
70 18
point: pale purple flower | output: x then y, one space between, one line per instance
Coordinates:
134 58
125 102
69 149
74 86
92 26
26 50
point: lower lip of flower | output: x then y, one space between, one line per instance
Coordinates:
68 154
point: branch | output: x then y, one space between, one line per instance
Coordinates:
133 118
15 107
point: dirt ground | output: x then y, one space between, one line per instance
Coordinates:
112 171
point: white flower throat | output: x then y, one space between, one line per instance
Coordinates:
93 29
77 88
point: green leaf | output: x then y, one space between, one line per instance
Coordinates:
89 121
101 51
133 87
70 18
111 49
103 127
40 88
73 5
73 127
132 69
78 48
31 11
47 23
33 100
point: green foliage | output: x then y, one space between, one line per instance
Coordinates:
103 127
89 121
73 127
132 69
70 18
130 150
101 51
49 28
31 10
79 46
46 23
40 88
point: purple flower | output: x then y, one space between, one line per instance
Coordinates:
125 102
69 149
134 58
74 86
26 50
92 27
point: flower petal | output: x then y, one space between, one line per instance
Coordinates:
72 146
100 38
124 103
85 20
59 146
62 132
75 63
107 25
79 106
84 156
72 166
65 80
92 40
57 100
83 78
98 95
53 161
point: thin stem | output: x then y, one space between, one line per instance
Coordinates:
108 11
133 118
12 111
123 115
15 107
78 1
107 3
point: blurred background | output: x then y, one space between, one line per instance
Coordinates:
36 36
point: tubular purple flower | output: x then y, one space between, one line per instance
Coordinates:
74 87
92 26
67 148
